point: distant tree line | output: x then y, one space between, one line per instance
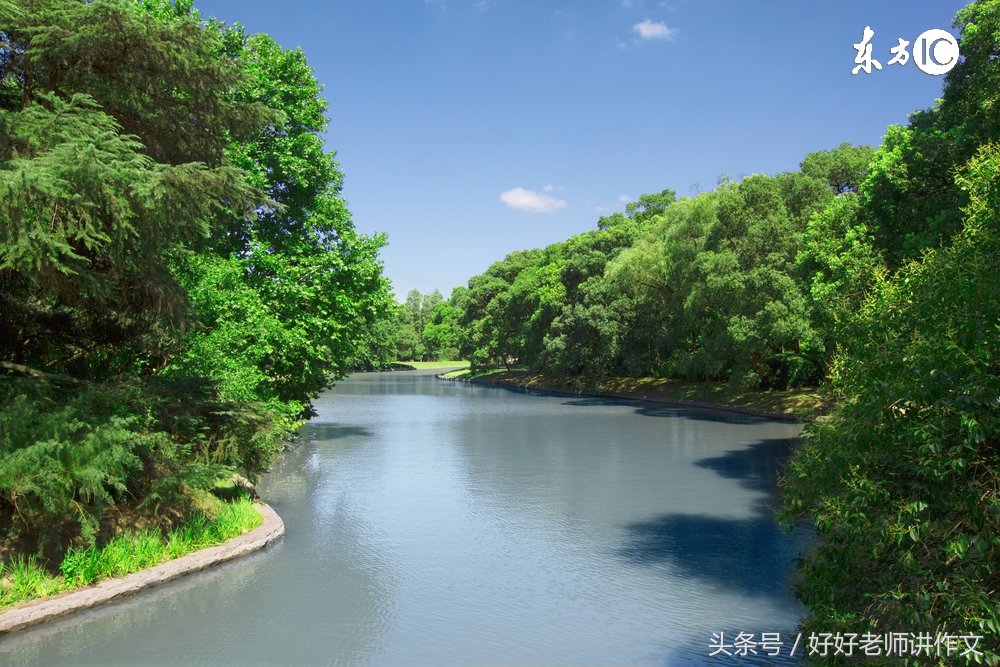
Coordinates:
179 274
743 284
427 327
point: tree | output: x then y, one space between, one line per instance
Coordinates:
442 333
650 206
94 196
178 272
909 197
842 168
903 482
312 285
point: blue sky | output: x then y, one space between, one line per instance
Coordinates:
467 129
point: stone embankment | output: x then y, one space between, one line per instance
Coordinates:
39 611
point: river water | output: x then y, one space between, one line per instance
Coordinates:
439 523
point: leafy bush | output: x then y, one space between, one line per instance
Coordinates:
904 483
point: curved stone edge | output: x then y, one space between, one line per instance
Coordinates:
680 402
39 611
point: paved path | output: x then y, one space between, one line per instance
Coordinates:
39 611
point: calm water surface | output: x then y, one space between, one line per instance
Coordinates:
438 523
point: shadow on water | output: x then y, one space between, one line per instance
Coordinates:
326 432
749 556
663 410
752 555
756 467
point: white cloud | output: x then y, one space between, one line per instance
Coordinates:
649 30
531 201
549 188
624 199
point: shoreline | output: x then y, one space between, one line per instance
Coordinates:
46 609
635 396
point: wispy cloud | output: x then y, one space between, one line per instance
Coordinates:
650 30
531 201
599 209
624 199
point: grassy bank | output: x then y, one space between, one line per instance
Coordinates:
805 402
421 365
25 578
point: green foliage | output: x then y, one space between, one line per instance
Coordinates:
132 552
442 333
836 264
289 300
909 196
25 579
427 326
89 221
843 168
179 274
67 455
903 483
702 289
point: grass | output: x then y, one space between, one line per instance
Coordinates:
24 578
806 402
420 365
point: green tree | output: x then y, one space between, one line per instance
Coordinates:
442 334
93 195
903 482
178 273
843 168
650 206
909 197
310 282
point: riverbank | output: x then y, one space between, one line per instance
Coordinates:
45 609
798 405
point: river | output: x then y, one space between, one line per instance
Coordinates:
440 523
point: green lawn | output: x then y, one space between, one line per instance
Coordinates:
420 365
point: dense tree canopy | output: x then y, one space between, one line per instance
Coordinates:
178 272
704 288
903 481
